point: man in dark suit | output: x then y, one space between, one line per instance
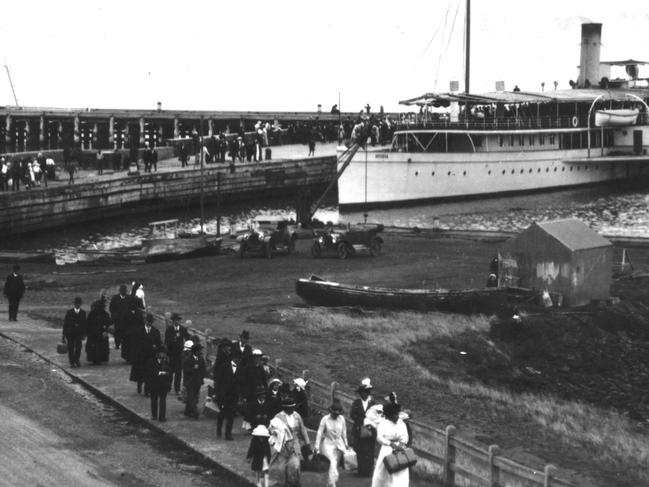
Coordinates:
242 349
146 342
226 395
175 336
121 310
14 290
194 372
74 331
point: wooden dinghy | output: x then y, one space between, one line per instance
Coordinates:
326 293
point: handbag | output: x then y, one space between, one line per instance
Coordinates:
62 347
400 460
210 409
315 463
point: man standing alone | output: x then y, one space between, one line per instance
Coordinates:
74 330
14 290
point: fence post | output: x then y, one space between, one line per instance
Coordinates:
547 475
449 458
494 471
334 388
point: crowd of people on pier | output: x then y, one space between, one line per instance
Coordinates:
29 172
240 382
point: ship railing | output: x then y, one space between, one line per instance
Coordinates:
505 123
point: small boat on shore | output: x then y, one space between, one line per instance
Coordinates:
321 292
121 255
621 117
167 243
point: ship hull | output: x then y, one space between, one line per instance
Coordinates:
380 178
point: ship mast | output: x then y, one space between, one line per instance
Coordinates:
467 47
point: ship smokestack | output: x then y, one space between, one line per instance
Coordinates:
591 40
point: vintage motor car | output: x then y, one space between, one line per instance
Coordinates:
346 242
267 235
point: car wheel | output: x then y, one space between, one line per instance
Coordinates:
316 250
268 251
375 248
242 250
343 251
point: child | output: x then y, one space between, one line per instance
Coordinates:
259 453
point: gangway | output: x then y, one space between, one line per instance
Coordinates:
343 161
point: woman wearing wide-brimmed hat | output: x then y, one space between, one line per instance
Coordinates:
288 437
363 436
331 440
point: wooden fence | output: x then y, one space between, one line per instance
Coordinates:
443 455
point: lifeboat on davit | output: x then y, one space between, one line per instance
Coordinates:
619 117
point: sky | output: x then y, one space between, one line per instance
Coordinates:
290 55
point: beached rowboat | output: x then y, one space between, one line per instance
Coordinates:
326 293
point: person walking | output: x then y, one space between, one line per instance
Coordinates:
226 395
363 436
243 350
97 348
259 454
146 342
175 337
331 440
100 162
391 435
14 290
182 154
288 437
74 331
158 383
121 312
194 373
257 409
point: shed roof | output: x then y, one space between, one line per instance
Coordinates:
574 234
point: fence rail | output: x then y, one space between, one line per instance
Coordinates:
441 453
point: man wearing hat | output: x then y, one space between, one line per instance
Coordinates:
74 330
331 439
121 310
146 342
14 289
226 395
175 337
253 376
242 349
257 409
194 372
363 436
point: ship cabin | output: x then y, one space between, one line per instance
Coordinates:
592 118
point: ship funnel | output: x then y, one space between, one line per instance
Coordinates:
591 40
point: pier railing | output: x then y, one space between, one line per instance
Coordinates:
441 453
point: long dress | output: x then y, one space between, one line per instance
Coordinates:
288 433
387 432
97 329
331 439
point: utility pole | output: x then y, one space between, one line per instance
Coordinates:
12 86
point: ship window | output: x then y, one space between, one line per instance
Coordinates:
521 140
530 171
555 169
563 168
552 139
512 171
547 169
449 173
511 140
578 168
501 140
541 139
489 171
522 171
571 168
432 173
531 140
416 173
463 173
538 170
503 171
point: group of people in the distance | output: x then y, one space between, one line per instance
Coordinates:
242 384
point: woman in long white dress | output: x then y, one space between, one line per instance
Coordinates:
391 434
331 440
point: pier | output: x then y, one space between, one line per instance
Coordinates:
95 197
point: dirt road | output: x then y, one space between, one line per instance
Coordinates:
55 434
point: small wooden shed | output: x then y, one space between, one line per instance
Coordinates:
561 256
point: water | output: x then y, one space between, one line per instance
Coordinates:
621 210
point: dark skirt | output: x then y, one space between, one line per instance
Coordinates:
364 449
97 349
